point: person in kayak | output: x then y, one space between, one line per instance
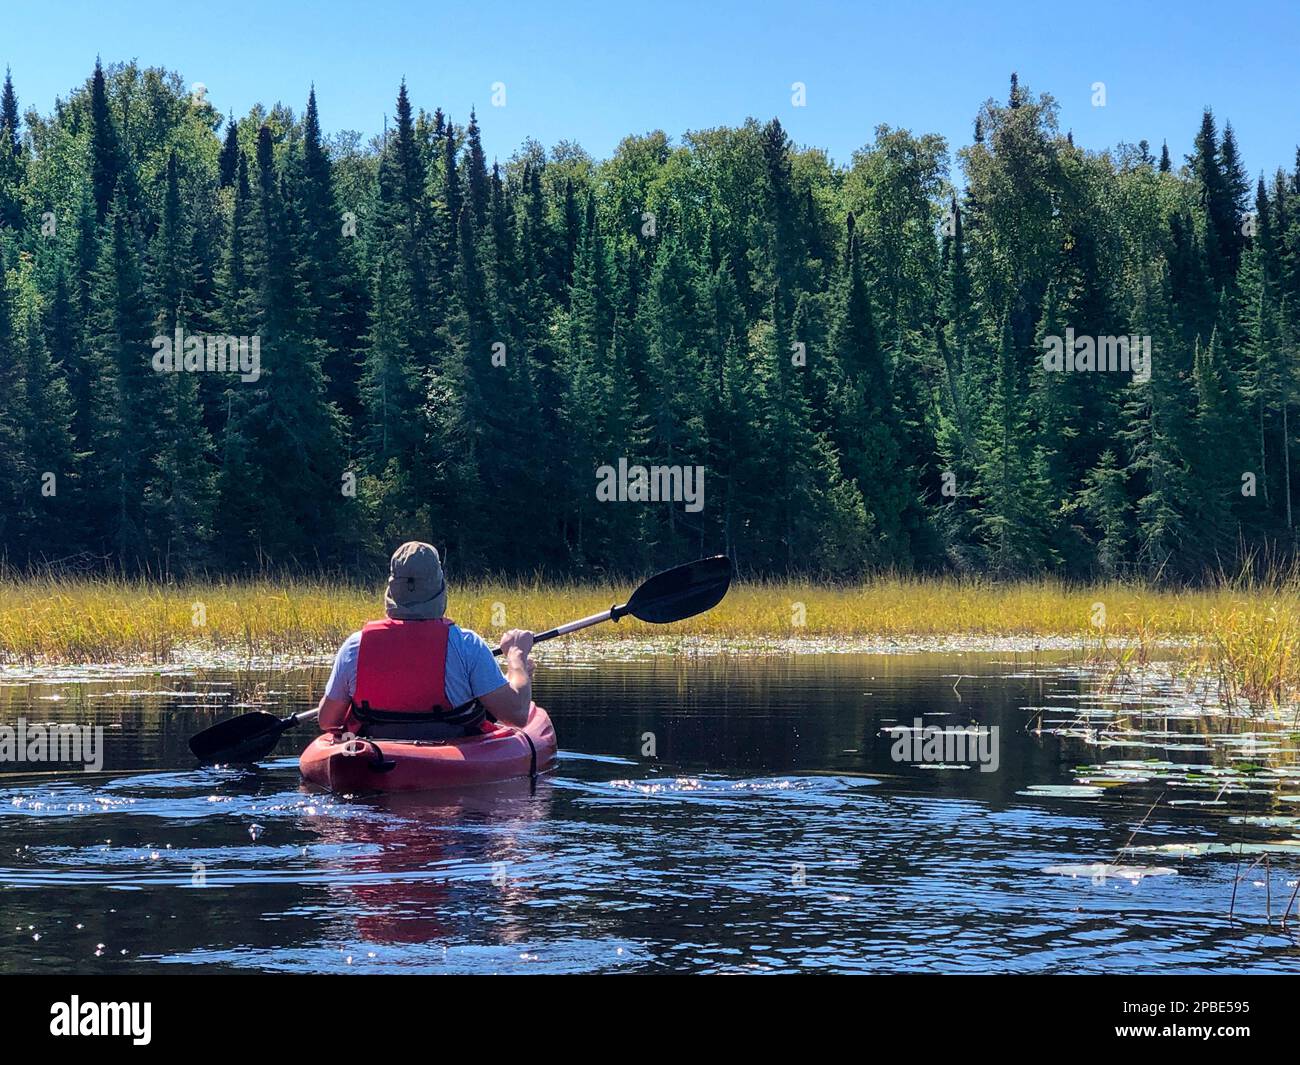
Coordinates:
417 675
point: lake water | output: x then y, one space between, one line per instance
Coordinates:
772 830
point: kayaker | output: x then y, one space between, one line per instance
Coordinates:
403 676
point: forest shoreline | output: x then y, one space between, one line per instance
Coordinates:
892 363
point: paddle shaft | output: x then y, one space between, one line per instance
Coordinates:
572 626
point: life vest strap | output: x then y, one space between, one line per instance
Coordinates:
468 716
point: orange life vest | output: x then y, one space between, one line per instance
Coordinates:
401 670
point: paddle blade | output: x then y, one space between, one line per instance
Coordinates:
246 738
682 592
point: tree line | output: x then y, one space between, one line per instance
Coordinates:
450 349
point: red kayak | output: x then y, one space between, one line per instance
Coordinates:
360 765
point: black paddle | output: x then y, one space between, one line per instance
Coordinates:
673 595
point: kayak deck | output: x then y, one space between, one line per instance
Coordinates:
504 753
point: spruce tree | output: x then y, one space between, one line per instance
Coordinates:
12 176
476 175
1010 478
48 452
16 483
107 159
121 477
9 118
1104 499
866 419
320 255
1235 195
294 427
228 161
179 511
1156 419
1218 459
572 234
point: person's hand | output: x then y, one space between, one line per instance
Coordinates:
518 640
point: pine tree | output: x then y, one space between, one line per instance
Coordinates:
107 159
1218 459
955 333
242 258
121 474
1216 192
320 255
1192 266
85 254
1156 421
9 119
476 175
736 449
237 518
295 430
444 221
12 176
179 512
784 246
393 395
171 268
815 520
1010 484
1260 290
589 305
866 420
572 235
64 340
48 450
16 483
228 162
1104 499
1235 194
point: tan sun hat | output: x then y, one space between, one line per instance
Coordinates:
416 586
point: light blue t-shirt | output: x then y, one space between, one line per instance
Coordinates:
472 671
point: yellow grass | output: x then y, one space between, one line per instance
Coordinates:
1249 635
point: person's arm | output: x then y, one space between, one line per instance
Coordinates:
510 702
333 705
332 713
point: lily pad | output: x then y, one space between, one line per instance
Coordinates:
1266 822
1062 791
1099 871
1287 846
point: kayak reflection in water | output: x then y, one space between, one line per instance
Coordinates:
417 675
404 873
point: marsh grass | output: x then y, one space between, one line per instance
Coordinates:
1244 633
1253 653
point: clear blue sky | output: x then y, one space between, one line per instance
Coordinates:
584 71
